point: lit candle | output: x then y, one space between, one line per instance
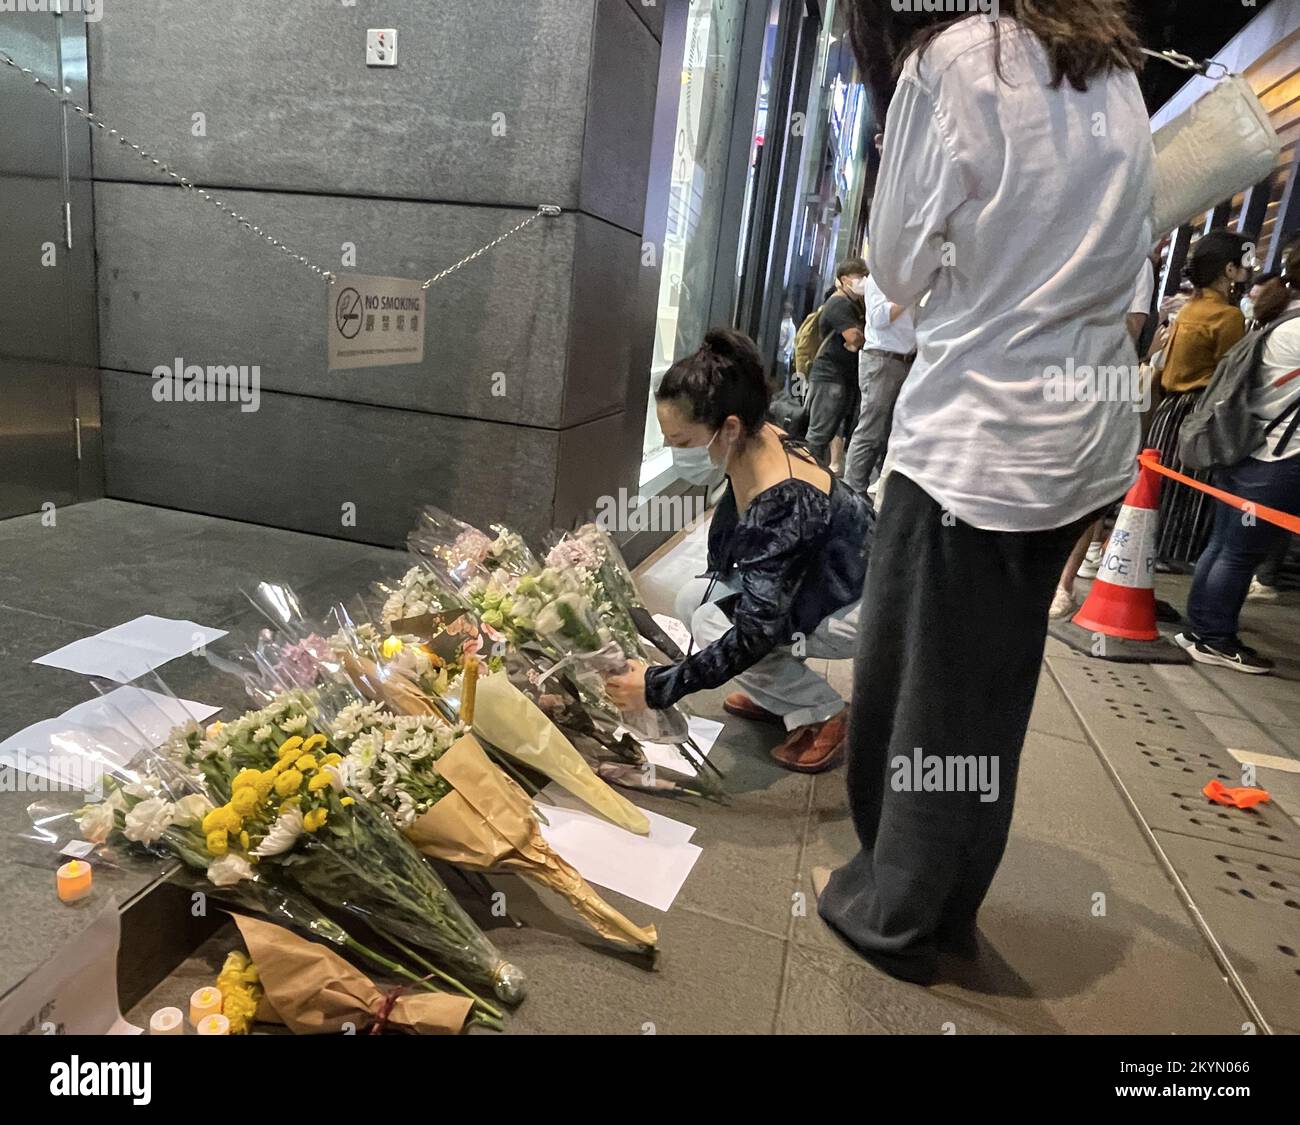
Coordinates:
205 1002
214 1025
73 881
167 1021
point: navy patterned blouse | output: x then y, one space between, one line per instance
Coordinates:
799 554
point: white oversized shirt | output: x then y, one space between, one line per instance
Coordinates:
1025 211
1276 387
883 334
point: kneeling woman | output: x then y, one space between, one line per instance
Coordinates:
785 580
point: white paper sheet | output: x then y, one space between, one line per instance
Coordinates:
128 651
675 629
117 726
704 731
650 869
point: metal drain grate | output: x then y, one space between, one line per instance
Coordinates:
1262 827
1251 902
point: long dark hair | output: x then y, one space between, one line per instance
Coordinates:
1083 38
724 376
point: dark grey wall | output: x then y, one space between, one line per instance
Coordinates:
319 150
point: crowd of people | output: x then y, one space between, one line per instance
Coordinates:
1008 235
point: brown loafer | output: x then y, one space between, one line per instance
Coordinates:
738 703
815 748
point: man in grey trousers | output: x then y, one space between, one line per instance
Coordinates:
883 364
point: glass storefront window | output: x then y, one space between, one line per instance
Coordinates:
704 123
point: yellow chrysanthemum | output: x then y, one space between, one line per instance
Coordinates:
391 647
288 783
264 784
244 800
223 818
320 781
290 803
315 819
346 801
314 743
217 842
331 760
245 778
306 762
215 729
291 746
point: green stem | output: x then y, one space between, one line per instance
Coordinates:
424 964
402 971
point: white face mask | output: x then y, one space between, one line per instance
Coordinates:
859 286
695 464
1248 308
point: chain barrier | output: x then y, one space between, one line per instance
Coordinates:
545 210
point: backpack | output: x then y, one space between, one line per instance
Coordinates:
1221 430
808 341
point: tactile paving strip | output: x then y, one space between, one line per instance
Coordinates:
1241 867
1251 903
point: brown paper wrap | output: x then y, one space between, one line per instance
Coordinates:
313 991
487 821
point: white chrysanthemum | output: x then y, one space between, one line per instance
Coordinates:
149 820
283 835
295 725
97 821
263 734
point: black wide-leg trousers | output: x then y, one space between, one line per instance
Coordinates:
951 637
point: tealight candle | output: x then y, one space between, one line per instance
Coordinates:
167 1021
205 1002
73 881
214 1025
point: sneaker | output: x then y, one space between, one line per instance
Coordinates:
1091 561
1062 604
1238 657
1259 592
1187 641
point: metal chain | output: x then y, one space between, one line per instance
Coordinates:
1186 62
547 210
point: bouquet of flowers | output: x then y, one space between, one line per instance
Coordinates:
450 800
284 802
464 550
159 805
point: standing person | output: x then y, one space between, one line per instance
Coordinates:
1029 259
786 581
885 360
1270 477
834 372
1205 328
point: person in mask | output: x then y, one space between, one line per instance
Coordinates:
1219 268
786 575
833 376
1265 301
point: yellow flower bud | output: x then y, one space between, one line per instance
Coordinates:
346 801
314 743
288 782
305 763
216 842
243 840
291 746
320 781
244 800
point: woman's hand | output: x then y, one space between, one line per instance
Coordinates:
627 689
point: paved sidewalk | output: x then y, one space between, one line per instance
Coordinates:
742 948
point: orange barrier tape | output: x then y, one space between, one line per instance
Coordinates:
1269 515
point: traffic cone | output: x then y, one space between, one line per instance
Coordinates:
1122 601
1117 621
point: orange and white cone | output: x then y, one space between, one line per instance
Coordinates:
1122 601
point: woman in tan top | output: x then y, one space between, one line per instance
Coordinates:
1206 327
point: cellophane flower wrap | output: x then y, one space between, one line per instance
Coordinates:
455 804
281 802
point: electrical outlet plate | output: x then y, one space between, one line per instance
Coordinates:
381 46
